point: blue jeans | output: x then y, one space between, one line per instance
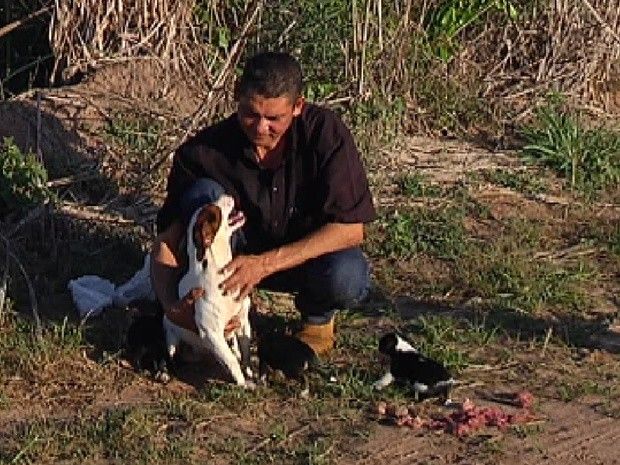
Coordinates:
321 286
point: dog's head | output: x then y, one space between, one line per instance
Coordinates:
391 343
213 222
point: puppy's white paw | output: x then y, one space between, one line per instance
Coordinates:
377 386
248 372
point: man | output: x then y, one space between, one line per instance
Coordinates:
294 171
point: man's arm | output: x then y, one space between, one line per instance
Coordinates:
166 265
248 270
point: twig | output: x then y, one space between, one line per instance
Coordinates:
4 283
32 214
547 339
268 439
606 26
32 295
4 30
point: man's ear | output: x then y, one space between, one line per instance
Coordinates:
298 106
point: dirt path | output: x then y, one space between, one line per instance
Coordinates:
570 433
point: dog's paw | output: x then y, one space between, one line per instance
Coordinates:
248 372
162 377
249 385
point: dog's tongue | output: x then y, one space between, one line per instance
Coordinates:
235 217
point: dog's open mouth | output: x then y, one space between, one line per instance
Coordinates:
236 217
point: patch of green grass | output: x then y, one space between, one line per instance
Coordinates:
121 435
517 282
527 431
21 353
439 232
588 158
569 391
446 339
520 181
137 134
416 185
230 396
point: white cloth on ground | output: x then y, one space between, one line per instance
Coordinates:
92 294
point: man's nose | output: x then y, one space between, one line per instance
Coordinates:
263 126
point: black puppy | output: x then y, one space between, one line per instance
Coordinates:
428 377
285 353
146 346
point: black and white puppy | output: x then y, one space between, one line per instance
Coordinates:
428 377
285 353
146 346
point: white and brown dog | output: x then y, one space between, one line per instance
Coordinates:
208 249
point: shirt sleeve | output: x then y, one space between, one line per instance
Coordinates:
343 183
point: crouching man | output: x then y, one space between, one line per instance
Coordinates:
295 172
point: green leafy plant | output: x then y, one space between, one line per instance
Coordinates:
22 179
588 158
451 17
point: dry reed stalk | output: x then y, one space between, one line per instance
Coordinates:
84 32
568 47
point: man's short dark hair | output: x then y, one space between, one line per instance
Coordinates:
271 75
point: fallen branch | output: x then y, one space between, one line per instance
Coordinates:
4 30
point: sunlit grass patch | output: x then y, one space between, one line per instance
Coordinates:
21 353
439 232
517 281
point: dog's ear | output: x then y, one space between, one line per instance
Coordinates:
207 224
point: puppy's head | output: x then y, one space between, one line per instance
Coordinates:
391 343
388 343
208 222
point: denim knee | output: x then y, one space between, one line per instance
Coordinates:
348 277
333 281
201 192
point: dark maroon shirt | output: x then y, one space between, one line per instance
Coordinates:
321 179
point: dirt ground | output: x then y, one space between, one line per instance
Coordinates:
112 211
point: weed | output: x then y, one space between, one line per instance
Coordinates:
588 158
521 181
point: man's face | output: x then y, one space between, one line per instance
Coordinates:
265 120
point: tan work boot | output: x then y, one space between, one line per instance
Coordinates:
320 337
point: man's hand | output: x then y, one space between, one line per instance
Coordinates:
182 313
244 273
